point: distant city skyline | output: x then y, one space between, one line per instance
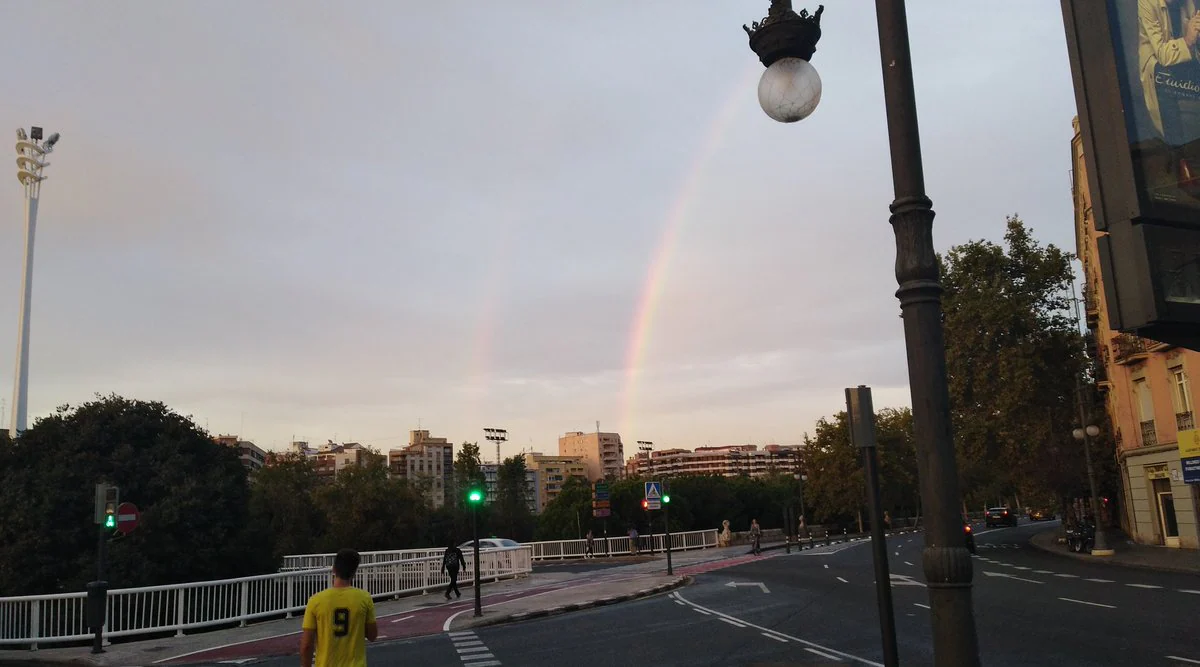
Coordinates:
556 215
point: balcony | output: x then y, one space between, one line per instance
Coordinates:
1184 421
1091 306
1127 348
1149 436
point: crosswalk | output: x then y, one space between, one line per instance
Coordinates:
472 651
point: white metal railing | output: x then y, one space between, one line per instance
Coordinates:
553 550
35 619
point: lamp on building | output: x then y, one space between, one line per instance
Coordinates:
790 90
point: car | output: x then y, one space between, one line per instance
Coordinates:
999 516
1041 514
969 536
490 543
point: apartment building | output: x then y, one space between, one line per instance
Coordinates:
491 477
603 454
551 473
726 461
428 462
332 458
251 455
1148 390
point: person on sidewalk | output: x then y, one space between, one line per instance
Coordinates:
755 537
451 560
589 553
634 547
338 620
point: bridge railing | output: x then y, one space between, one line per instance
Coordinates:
551 550
40 619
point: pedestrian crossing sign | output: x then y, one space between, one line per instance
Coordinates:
653 490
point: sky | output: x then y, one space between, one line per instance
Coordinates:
337 221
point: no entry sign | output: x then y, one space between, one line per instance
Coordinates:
127 517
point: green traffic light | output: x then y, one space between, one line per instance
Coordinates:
110 521
666 498
475 496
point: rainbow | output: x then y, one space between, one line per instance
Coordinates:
641 329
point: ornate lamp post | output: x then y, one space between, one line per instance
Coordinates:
789 91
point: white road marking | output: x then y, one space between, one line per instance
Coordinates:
842 580
776 638
1100 581
922 606
467 633
834 652
472 649
897 553
405 618
822 654
733 623
446 625
1042 572
1010 576
680 602
1187 660
1094 604
1022 567
909 564
701 611
1067 576
1187 590
213 648
485 663
826 566
1142 586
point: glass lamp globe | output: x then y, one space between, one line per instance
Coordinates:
789 90
1093 430
1078 433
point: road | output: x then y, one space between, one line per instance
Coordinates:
818 607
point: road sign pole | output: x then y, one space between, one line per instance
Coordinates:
475 557
861 413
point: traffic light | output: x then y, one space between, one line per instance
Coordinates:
666 498
108 497
645 504
474 496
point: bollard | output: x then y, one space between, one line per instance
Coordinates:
97 597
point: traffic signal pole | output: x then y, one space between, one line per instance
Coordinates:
667 524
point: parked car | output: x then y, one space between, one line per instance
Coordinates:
489 543
999 516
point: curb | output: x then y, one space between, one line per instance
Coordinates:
1102 560
600 602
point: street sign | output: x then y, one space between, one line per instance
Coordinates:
653 490
602 513
1191 470
601 504
127 518
601 491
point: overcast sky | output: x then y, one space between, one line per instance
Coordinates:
332 220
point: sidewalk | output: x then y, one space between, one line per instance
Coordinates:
539 594
1128 553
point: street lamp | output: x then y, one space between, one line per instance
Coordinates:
791 93
1100 540
31 166
645 447
475 499
496 435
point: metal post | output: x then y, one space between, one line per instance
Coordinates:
21 377
1100 539
475 548
860 412
667 526
946 561
787 528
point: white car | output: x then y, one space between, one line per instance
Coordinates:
489 543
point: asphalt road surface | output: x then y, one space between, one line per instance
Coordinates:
818 607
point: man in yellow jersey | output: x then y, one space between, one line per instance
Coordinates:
339 620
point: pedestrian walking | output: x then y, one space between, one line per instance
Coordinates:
589 553
339 620
451 560
755 536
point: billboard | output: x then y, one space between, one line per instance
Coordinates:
1158 70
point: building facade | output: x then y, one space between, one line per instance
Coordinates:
332 458
491 477
603 454
1147 388
551 473
251 455
726 461
428 462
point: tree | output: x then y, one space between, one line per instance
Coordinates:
282 511
468 471
512 500
366 510
192 493
1013 354
569 515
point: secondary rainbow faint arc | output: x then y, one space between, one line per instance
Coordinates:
641 330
